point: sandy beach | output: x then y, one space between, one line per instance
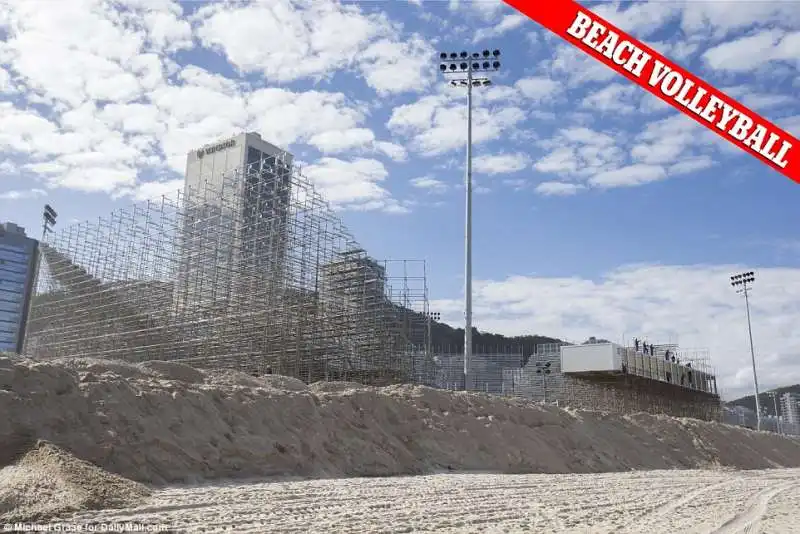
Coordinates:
694 501
88 441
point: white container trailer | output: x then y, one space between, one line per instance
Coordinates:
592 358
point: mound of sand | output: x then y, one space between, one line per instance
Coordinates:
48 481
163 422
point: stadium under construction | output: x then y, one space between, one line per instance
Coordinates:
246 268
249 268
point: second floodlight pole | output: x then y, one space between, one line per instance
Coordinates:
752 357
741 281
468 238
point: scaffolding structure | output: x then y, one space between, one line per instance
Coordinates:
649 383
251 270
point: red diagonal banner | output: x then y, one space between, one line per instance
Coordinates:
666 80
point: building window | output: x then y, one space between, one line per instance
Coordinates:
254 158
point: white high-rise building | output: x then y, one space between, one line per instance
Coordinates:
237 207
790 408
207 164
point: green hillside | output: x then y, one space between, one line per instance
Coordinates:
765 399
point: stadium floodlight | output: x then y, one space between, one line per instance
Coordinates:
431 317
741 283
543 368
49 216
460 70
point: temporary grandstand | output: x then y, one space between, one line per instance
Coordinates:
232 275
250 269
606 376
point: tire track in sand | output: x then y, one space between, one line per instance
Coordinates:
749 519
658 512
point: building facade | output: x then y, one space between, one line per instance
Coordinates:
790 408
18 258
241 184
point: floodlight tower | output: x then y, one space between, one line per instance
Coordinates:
49 216
460 69
740 282
543 368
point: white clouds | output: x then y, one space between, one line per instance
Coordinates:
579 152
506 24
314 39
293 43
538 88
431 184
389 66
154 190
668 147
586 136
760 101
497 93
416 116
790 124
287 117
199 77
577 66
7 167
355 182
722 18
558 188
658 152
679 142
639 19
693 305
754 51
88 61
691 165
436 124
167 31
115 112
392 150
102 91
500 163
561 160
96 179
23 131
631 175
133 118
5 82
616 98
340 141
742 54
355 139
20 194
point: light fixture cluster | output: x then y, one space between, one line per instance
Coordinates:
49 216
742 279
476 82
434 316
457 63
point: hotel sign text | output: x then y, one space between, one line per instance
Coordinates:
216 148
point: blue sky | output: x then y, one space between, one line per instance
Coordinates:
593 199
